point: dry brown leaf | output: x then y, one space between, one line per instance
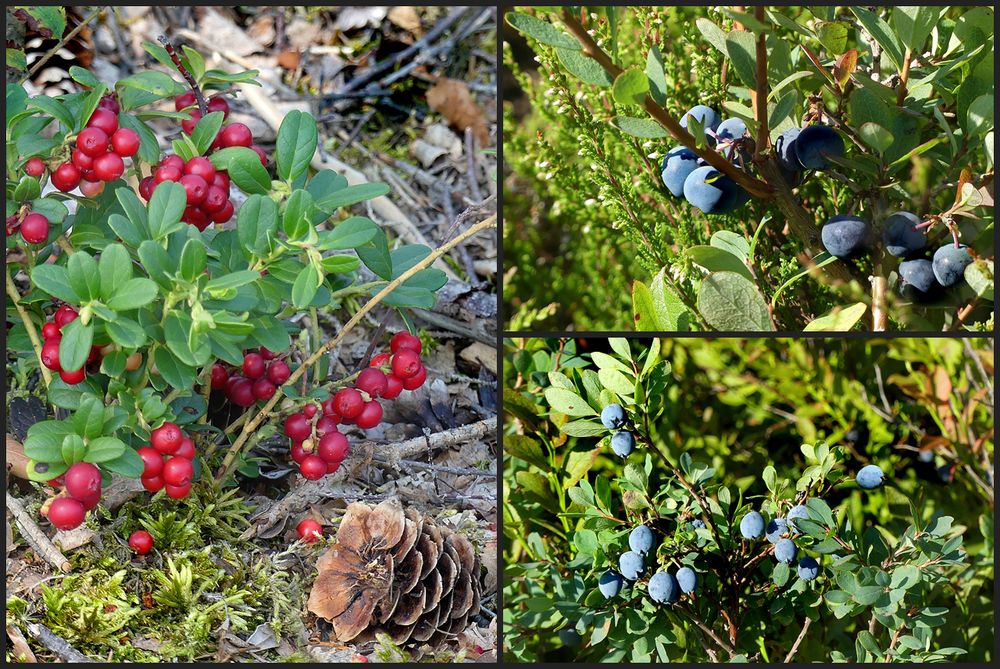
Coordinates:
407 19
452 98
289 59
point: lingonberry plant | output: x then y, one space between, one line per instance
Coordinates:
135 279
692 546
850 149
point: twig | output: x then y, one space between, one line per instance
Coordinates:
29 327
358 127
253 424
56 643
54 50
470 155
802 635
760 98
120 42
880 316
461 471
987 381
202 106
34 535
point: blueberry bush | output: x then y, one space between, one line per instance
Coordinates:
775 169
779 504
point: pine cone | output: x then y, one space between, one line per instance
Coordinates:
396 572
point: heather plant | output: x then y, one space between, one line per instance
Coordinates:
777 169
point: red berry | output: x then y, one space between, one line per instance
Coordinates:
178 471
221 181
242 392
188 125
91 502
35 228
310 410
141 542
67 513
73 377
217 103
330 411
312 467
253 365
81 159
404 339
95 351
66 177
223 214
152 461
178 491
260 153
57 482
110 103
202 167
309 531
393 387
50 330
125 142
152 483
278 372
93 142
195 187
333 446
167 173
263 389
332 467
219 376
91 188
109 167
173 160
146 187
187 449
193 215
166 438
370 416
105 119
298 453
184 100
348 402
371 381
406 363
297 427
325 424
214 200
83 480
34 167
236 134
416 380
380 360
65 314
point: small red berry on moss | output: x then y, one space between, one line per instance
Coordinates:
141 542
309 530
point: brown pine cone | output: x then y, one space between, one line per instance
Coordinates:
396 572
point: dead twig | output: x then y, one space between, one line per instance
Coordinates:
56 643
34 535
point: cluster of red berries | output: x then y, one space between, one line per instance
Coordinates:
52 335
207 189
168 462
231 134
34 227
82 491
99 153
257 380
318 446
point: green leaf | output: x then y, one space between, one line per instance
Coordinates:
979 276
231 281
631 87
194 260
173 371
840 319
306 284
656 79
157 263
729 302
115 267
133 294
833 35
295 146
113 364
54 280
74 347
129 464
82 273
914 24
104 449
568 402
351 233
583 67
643 128
73 449
166 207
713 34
245 170
351 195
715 259
542 31
375 256
297 218
733 243
45 438
525 448
340 264
88 420
742 51
882 33
616 381
157 83
876 136
256 223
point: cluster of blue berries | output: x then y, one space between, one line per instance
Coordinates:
663 587
622 441
779 533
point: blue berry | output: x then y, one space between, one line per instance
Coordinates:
731 128
784 551
610 583
622 443
776 529
752 525
713 192
640 540
709 119
687 578
697 524
797 511
631 564
844 235
900 234
919 274
677 165
950 262
613 416
784 147
663 588
815 144
870 477
808 568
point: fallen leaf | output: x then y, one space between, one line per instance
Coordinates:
407 19
452 98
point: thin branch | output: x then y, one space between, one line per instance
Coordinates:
29 327
188 77
35 537
760 98
802 635
65 40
